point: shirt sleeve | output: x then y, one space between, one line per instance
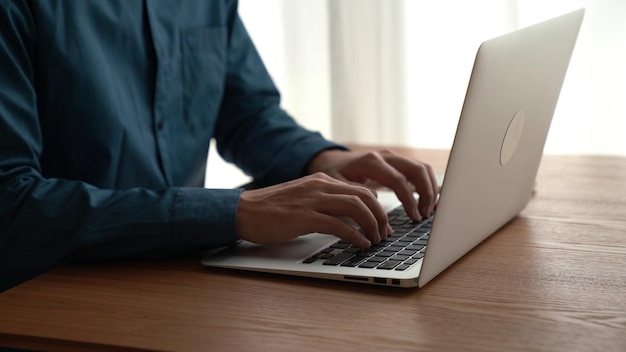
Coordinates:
48 221
252 130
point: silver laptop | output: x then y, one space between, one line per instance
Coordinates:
489 179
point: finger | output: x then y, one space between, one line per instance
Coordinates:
435 185
334 226
362 210
365 204
422 178
425 183
379 169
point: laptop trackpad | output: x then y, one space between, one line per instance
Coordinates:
294 250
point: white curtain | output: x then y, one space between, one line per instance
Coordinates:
394 72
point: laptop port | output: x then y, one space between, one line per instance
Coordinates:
356 278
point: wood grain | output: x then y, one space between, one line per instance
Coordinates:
553 279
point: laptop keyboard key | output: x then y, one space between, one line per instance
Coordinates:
369 264
377 259
310 260
338 259
403 266
418 255
341 245
354 261
408 252
415 247
400 257
385 254
389 264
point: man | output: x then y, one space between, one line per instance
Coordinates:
106 113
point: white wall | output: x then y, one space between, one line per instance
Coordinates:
591 114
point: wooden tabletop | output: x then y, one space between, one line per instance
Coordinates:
554 279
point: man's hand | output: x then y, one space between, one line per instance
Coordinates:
314 203
403 175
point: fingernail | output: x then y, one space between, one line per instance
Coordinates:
416 215
389 230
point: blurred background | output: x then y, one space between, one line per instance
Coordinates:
395 72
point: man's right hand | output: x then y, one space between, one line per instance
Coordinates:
315 203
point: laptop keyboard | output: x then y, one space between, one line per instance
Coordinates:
403 248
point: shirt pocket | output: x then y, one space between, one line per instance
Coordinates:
204 70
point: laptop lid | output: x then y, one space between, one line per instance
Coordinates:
508 108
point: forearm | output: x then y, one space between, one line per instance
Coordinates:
48 222
273 148
252 130
326 159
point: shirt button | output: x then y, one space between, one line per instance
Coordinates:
160 125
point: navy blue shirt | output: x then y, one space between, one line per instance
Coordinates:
107 109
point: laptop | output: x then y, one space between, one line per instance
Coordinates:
489 179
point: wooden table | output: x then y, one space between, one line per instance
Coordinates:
554 279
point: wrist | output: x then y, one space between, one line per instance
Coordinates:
324 160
